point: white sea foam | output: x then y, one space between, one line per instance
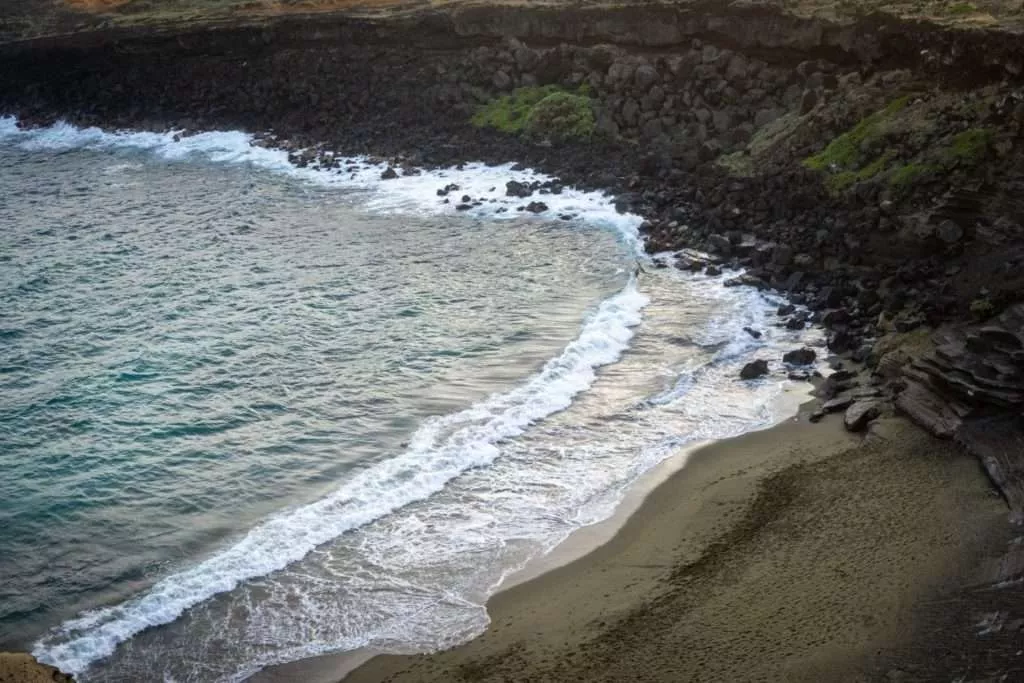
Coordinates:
404 194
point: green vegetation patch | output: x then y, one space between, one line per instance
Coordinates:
539 111
906 175
842 181
843 158
843 153
961 8
970 146
562 115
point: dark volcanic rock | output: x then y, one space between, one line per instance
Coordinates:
389 174
802 356
536 207
752 332
860 414
836 404
516 189
754 369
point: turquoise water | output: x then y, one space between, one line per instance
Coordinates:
250 414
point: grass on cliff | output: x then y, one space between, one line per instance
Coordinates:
843 154
539 111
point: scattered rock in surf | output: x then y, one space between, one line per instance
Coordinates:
389 174
746 280
514 188
536 207
804 356
451 187
798 321
860 414
752 332
800 376
834 316
463 207
713 270
720 244
754 369
785 309
466 199
839 341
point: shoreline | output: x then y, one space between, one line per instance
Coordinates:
794 400
725 495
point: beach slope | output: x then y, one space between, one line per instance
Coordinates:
799 553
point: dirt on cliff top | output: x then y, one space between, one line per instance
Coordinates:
24 19
19 667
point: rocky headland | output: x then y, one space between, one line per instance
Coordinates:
869 164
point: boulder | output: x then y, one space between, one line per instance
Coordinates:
720 244
630 110
514 188
501 80
834 405
949 232
722 120
754 369
804 356
389 174
645 76
752 332
536 207
526 59
860 414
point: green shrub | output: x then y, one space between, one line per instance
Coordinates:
508 113
561 115
540 111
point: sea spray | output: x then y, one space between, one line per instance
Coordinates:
414 193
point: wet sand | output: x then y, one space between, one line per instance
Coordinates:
799 553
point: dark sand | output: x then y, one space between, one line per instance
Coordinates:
799 553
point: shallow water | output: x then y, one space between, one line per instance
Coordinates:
251 413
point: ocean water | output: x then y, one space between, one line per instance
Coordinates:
251 413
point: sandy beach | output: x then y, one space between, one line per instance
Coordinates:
798 553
